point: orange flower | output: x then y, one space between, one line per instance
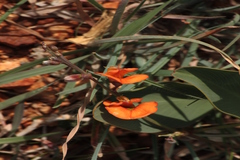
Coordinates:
125 109
117 74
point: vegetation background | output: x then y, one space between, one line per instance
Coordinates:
189 49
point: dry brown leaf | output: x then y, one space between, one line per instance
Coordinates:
25 29
16 41
21 83
11 64
101 27
80 115
82 14
111 5
167 149
43 11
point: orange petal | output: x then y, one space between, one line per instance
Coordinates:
119 72
119 112
113 71
110 77
134 79
109 103
136 100
124 71
144 109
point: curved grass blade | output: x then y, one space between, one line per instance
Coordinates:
223 54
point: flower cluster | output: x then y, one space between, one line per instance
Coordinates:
125 108
117 74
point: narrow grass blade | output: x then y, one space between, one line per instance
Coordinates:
223 54
118 15
191 149
111 62
69 85
104 135
137 25
96 5
135 11
192 52
22 97
25 138
23 67
37 71
3 17
155 147
18 115
74 89
118 148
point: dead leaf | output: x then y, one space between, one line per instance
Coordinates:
11 64
101 27
16 41
20 83
83 15
111 5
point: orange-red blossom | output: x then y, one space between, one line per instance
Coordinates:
117 74
125 109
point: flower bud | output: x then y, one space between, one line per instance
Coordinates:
77 77
50 62
54 48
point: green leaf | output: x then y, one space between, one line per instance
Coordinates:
175 109
221 87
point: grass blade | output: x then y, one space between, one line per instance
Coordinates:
25 138
95 154
118 15
137 25
37 71
3 17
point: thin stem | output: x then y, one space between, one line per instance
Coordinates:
55 53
